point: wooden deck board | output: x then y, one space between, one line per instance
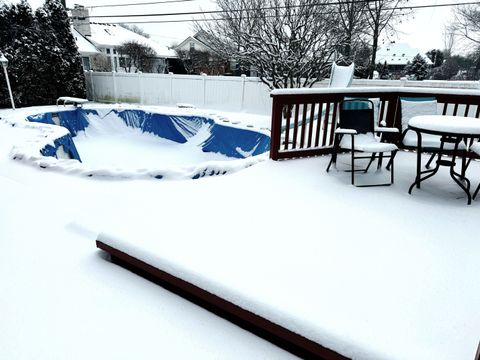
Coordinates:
274 333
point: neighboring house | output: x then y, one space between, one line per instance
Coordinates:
397 56
85 48
197 44
107 38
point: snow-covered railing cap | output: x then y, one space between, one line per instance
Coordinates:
71 100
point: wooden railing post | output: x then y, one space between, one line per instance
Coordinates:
276 127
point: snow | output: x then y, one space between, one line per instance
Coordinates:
110 35
373 273
142 155
448 124
373 89
341 76
366 142
85 47
398 54
116 145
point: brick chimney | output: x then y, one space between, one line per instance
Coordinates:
81 21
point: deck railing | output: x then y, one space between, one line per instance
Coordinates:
304 120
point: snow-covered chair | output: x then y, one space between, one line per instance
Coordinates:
410 107
476 149
341 76
357 132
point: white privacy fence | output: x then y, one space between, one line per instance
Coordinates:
218 92
247 94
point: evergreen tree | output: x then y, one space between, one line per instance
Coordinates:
21 44
436 56
43 59
418 68
63 71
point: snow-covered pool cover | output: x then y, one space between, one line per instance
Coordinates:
134 143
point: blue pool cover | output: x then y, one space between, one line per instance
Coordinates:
230 141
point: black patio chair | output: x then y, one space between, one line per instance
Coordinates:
357 132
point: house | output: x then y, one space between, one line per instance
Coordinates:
86 49
107 38
397 56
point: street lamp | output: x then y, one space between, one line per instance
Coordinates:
4 62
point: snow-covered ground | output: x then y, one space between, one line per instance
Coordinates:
373 273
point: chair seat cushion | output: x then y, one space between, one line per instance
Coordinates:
366 143
476 148
429 141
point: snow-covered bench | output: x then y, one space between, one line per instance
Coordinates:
71 100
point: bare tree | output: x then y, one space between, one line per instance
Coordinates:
352 22
136 29
101 62
467 22
138 56
290 42
196 62
382 15
449 37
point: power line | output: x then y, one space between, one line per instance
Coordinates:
141 3
211 12
233 18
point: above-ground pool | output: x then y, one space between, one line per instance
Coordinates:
135 143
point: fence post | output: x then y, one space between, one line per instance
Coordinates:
93 86
140 86
242 98
114 79
171 87
204 78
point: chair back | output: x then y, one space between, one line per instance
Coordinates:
341 76
357 114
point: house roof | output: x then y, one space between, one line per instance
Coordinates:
399 54
111 35
85 47
195 38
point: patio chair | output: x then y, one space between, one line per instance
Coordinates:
341 76
410 107
356 132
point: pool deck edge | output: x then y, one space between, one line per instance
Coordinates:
274 333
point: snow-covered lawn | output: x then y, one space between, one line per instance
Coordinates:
373 273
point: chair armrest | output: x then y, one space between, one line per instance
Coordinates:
386 130
346 131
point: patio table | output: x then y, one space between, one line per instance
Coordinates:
451 129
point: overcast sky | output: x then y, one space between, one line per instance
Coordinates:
423 30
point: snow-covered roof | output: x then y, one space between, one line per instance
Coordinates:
111 35
85 47
398 54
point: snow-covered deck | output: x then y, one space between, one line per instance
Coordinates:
372 273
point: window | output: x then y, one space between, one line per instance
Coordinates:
86 63
108 51
114 51
121 61
192 46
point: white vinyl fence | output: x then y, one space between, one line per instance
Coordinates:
217 92
230 93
